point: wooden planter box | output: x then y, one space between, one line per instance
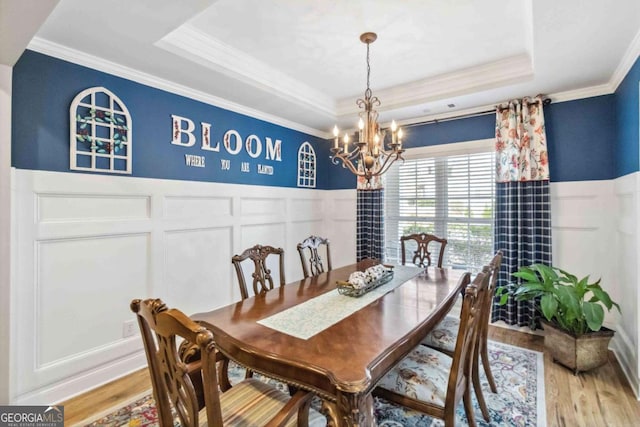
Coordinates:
582 353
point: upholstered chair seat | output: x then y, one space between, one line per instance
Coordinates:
422 375
444 335
254 403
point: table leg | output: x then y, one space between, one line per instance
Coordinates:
330 411
355 410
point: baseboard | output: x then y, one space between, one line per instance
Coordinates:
74 386
622 348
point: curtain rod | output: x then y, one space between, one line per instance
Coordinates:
545 101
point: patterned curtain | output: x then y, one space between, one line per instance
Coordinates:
523 214
370 222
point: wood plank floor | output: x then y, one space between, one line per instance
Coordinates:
598 398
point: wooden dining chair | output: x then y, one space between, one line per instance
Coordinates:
248 403
262 281
422 256
433 382
310 247
443 337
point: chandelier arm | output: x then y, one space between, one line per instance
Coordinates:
387 164
352 168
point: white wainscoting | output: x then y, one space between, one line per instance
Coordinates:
88 244
594 233
626 343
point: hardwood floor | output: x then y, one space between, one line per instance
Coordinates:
598 398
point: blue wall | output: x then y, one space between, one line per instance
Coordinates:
627 99
581 137
43 88
587 139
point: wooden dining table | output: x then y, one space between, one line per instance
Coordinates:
343 362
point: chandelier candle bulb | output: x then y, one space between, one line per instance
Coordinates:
346 143
335 137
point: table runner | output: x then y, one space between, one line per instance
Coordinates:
317 314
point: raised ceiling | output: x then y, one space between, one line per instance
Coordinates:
301 61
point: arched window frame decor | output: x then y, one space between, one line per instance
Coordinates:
101 134
306 166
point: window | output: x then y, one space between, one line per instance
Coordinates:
100 132
306 166
446 193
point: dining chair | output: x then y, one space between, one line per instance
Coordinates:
250 402
262 279
311 246
422 256
443 336
433 382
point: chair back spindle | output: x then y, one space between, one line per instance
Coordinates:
310 247
422 255
262 280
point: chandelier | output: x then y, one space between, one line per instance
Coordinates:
369 156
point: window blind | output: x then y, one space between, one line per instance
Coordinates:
449 196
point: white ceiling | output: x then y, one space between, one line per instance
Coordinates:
301 61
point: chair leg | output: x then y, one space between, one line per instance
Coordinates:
303 414
475 374
468 406
484 353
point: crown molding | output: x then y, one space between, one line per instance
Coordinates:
628 59
87 60
587 92
515 69
196 46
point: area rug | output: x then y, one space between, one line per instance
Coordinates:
519 375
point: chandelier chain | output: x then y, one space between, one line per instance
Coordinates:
368 91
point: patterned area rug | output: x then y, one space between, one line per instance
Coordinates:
519 402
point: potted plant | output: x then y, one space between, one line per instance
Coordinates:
574 313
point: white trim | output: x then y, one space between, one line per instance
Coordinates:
7 238
71 387
490 75
452 149
191 43
587 92
87 60
628 59
622 347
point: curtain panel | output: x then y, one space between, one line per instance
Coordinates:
523 233
523 213
370 224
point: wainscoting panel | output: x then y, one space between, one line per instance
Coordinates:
197 268
88 244
341 209
88 207
97 266
626 343
176 207
594 233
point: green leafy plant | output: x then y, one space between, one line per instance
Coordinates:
573 304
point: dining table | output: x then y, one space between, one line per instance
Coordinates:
310 336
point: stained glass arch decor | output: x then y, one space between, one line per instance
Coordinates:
100 133
306 166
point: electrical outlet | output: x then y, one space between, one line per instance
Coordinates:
128 328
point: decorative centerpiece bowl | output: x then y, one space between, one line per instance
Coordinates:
361 282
